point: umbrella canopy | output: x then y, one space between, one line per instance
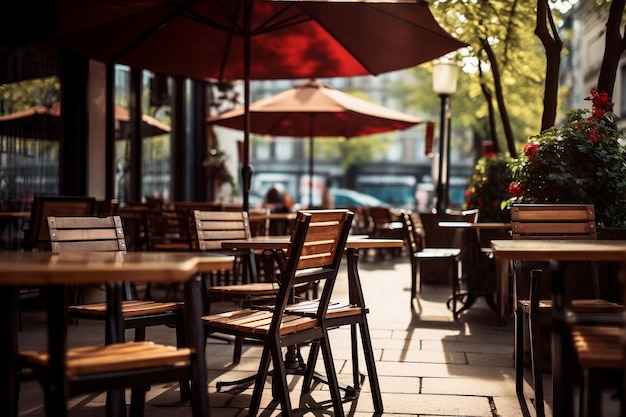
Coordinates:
44 122
254 39
313 109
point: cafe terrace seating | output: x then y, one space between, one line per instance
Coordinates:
167 231
314 254
114 365
450 257
547 221
599 343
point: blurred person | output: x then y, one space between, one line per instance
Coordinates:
328 198
275 199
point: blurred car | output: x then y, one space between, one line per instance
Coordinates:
350 198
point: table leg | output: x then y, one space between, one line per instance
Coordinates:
55 392
562 355
502 289
197 341
9 309
114 333
355 294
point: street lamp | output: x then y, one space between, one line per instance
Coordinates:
445 75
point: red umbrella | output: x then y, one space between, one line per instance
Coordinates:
44 122
254 39
314 109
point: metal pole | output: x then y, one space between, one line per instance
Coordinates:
442 183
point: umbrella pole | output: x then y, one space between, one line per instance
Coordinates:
311 156
246 170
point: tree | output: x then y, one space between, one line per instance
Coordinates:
503 62
547 32
615 45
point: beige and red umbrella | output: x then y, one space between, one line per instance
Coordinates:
313 109
44 122
254 39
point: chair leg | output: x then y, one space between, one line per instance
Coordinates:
356 374
534 332
138 401
537 364
280 389
370 362
591 394
333 385
414 274
255 400
310 367
454 271
185 389
519 356
237 349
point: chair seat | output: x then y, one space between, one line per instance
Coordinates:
578 306
114 357
599 347
129 308
438 253
336 309
252 290
257 322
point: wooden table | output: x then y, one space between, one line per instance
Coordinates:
476 285
355 290
556 251
7 220
279 223
56 271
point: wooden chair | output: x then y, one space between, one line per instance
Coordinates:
53 205
38 236
386 225
190 206
314 254
106 207
167 231
547 221
106 234
418 254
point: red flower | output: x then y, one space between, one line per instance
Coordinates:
594 137
516 189
531 150
601 103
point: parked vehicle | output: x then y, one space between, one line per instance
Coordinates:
346 198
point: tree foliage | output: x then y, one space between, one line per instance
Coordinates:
506 26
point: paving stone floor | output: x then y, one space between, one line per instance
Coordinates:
428 365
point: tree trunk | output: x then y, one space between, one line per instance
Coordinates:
553 46
613 49
504 115
492 114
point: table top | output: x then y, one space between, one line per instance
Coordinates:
14 214
45 268
272 216
560 250
469 225
281 242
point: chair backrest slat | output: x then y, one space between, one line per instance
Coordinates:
550 221
314 255
168 230
45 206
86 233
214 227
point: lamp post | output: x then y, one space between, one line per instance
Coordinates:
445 75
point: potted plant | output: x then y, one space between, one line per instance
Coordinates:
581 162
488 187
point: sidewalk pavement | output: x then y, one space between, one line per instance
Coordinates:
428 365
